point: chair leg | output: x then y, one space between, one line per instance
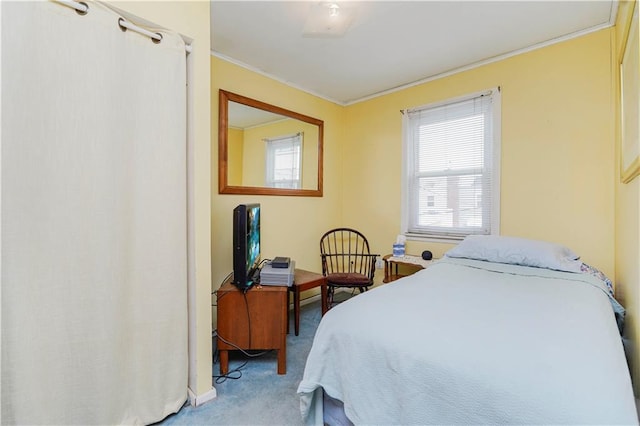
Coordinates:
330 290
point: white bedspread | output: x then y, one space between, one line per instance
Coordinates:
471 342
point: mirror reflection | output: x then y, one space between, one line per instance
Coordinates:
268 150
272 150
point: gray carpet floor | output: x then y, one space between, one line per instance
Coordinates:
260 396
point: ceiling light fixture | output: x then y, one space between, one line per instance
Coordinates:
328 19
334 9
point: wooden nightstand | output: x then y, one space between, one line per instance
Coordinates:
398 267
253 320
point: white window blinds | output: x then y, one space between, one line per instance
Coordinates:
283 161
451 188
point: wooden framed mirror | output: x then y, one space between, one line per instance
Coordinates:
267 150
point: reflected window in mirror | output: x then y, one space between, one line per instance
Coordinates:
283 163
267 150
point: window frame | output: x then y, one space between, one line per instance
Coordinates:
408 214
296 139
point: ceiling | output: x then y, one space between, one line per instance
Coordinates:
389 44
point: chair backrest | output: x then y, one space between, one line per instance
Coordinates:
346 250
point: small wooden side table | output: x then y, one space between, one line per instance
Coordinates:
302 281
411 264
252 320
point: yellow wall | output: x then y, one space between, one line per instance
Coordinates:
291 226
557 152
627 214
191 18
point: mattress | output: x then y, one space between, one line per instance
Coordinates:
473 342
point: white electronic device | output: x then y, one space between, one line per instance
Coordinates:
277 276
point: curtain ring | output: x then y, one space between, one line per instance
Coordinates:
155 40
82 12
122 27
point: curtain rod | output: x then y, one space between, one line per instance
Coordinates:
82 8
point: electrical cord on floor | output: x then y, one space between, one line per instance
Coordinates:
235 373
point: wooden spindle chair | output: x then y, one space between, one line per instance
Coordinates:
346 261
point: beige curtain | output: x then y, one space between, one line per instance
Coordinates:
93 219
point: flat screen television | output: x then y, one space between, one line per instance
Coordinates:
246 245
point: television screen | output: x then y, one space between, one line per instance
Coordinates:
246 244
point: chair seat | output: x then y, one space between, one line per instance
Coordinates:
351 279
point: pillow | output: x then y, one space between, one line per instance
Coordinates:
517 251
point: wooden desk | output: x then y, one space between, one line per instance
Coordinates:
410 264
253 320
305 280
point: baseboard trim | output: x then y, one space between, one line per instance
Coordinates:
197 400
308 300
316 297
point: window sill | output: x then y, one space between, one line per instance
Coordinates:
433 238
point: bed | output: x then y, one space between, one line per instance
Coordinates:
499 331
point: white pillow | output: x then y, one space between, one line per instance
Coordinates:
517 251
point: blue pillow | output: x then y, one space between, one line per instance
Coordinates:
517 251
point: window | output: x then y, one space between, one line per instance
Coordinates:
451 165
283 167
